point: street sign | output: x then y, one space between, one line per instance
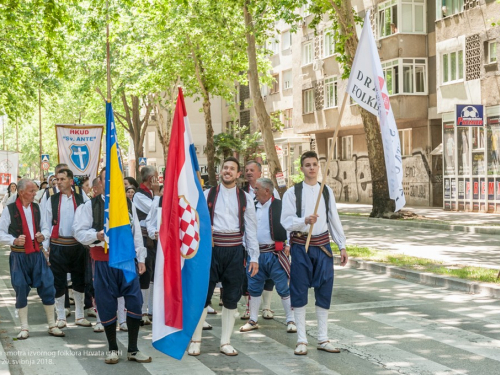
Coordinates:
142 161
280 179
45 165
45 157
279 150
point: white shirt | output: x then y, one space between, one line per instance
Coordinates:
152 219
5 237
226 219
252 192
292 223
86 235
263 229
67 216
143 203
45 197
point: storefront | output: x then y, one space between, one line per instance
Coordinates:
471 160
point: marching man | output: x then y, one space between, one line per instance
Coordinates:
20 229
232 214
314 268
273 260
110 283
66 254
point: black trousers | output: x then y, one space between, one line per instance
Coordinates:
227 268
67 259
149 275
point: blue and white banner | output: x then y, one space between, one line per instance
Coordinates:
80 148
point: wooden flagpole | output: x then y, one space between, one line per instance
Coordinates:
327 167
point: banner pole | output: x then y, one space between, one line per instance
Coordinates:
327 167
108 65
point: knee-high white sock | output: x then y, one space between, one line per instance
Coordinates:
300 322
267 296
98 320
151 293
23 317
288 309
49 311
121 312
199 328
228 317
145 300
61 315
79 304
322 315
254 308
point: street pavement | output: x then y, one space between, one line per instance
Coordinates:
383 326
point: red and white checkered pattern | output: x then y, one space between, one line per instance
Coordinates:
189 231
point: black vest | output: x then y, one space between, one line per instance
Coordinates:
98 212
298 199
278 233
55 204
242 205
16 223
141 214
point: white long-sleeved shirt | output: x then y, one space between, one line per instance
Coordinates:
226 219
67 212
5 237
143 203
86 235
292 223
45 198
152 219
263 229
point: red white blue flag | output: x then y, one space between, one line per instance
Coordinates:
184 244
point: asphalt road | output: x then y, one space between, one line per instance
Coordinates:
383 326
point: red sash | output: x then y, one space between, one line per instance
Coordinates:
28 245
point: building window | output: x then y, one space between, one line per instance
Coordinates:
347 147
286 40
151 141
405 141
478 138
388 18
329 44
287 79
414 79
308 101
452 7
273 45
413 16
287 118
453 66
491 52
276 84
307 53
229 127
330 144
331 92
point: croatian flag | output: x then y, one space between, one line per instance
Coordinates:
184 244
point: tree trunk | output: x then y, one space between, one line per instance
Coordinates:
263 118
382 205
210 148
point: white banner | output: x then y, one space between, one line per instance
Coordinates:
80 148
9 166
367 87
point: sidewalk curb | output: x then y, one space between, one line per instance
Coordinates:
430 225
425 278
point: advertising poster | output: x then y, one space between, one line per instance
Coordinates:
467 189
482 184
453 189
493 142
478 164
449 148
463 151
498 190
475 189
447 188
9 163
461 189
491 189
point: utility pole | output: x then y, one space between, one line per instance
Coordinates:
40 131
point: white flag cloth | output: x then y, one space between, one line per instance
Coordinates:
80 148
368 88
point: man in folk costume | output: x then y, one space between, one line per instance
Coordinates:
53 189
253 171
233 219
66 254
148 192
110 283
314 268
273 260
20 229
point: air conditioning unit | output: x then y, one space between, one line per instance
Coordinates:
318 65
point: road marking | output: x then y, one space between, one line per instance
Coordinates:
442 332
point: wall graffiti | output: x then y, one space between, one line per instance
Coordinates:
351 179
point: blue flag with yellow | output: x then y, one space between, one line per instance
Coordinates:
117 229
